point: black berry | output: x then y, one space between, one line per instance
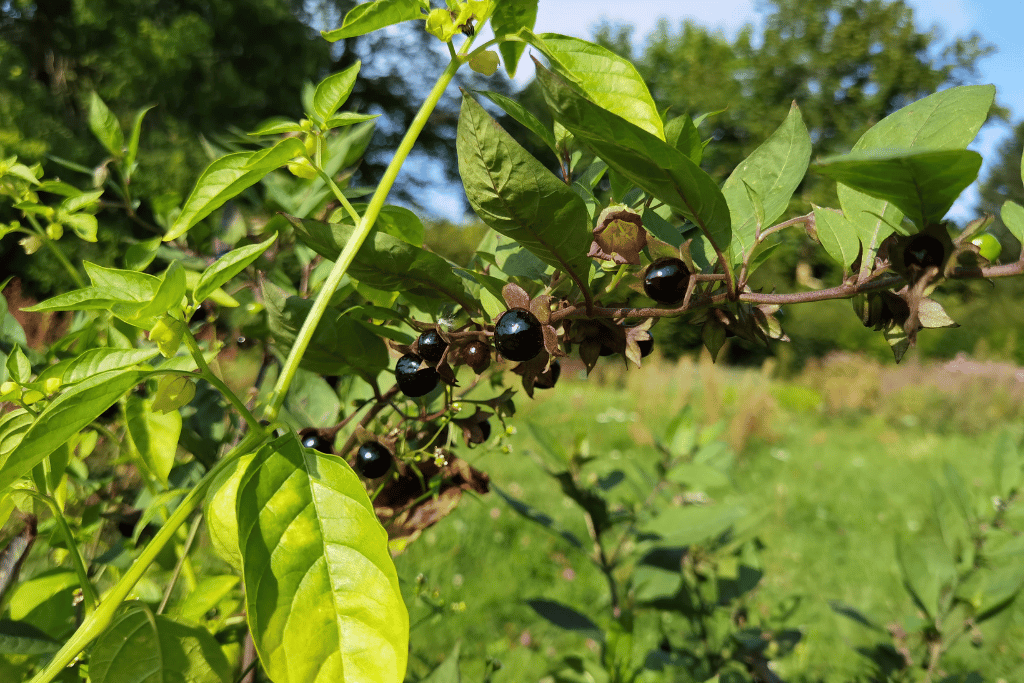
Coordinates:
548 379
518 335
923 251
414 378
665 280
431 346
646 347
314 442
373 460
477 355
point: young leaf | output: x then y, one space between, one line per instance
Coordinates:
608 80
63 417
133 143
226 267
922 184
18 367
513 193
522 115
312 546
227 177
370 16
387 263
142 646
509 17
1013 217
95 361
276 126
644 160
104 125
153 435
838 235
332 92
772 171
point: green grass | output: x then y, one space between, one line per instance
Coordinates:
834 494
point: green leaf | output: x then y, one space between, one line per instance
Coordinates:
772 171
153 435
838 235
96 361
168 298
348 118
139 255
133 143
85 299
63 417
1013 217
923 184
312 401
276 126
22 638
385 262
85 225
513 193
644 160
229 176
142 646
522 115
448 670
226 267
370 16
509 17
682 134
312 546
210 591
949 119
693 524
608 80
18 367
333 91
396 221
340 345
105 127
220 512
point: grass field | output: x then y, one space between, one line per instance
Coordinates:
835 485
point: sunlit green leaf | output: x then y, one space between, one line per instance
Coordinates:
312 546
523 116
838 235
513 193
1012 214
153 435
333 91
104 126
370 16
227 266
509 17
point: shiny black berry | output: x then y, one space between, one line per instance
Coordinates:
477 355
373 460
548 379
431 346
415 378
518 335
923 251
646 347
314 442
665 280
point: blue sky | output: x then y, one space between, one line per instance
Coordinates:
1000 22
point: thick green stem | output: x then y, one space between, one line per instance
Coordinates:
291 364
98 622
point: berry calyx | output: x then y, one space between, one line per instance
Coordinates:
431 346
666 279
414 378
477 355
923 251
373 460
518 335
548 378
314 442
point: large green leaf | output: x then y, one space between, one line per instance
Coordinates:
385 262
143 647
228 266
517 196
321 591
773 171
608 80
227 177
509 17
370 16
340 345
922 184
396 221
66 414
523 116
648 162
949 119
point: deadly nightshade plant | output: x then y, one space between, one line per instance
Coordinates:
367 283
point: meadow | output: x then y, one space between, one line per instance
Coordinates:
837 461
